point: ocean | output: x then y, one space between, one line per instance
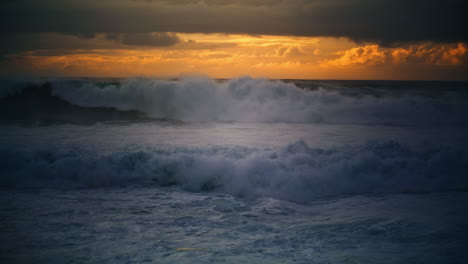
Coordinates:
243 170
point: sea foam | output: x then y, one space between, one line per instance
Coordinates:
294 172
248 99
259 100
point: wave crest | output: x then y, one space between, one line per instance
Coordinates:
259 100
294 172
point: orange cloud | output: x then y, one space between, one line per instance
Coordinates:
370 55
293 51
225 56
432 54
367 55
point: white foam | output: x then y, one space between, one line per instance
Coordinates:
293 172
259 100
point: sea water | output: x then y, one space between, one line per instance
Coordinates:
233 171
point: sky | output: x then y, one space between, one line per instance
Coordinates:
280 39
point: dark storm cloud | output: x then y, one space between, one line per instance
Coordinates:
386 21
146 39
57 44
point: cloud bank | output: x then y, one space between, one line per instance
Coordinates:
386 22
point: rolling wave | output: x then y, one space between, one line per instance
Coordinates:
259 100
294 172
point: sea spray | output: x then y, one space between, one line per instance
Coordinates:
293 172
248 99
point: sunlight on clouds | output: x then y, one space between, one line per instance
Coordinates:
369 55
428 53
218 55
225 56
433 54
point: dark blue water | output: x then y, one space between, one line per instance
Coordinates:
242 170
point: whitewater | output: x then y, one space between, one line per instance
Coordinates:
246 170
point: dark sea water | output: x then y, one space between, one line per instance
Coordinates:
245 170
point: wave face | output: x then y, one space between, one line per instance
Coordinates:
294 172
259 100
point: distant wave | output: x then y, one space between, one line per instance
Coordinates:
259 100
294 172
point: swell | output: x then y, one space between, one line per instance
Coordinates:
259 100
294 172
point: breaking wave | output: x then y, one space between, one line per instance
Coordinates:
259 100
294 172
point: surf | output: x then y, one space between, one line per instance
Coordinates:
254 100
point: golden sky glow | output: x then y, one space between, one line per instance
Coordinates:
225 56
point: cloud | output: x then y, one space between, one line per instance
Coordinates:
219 2
157 39
387 22
52 43
428 53
217 55
294 52
367 55
433 54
